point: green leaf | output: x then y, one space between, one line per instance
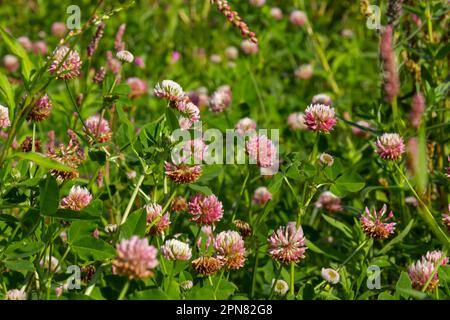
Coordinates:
22 249
135 225
397 239
80 229
197 293
7 92
70 215
172 119
25 63
385 296
202 189
338 225
91 249
49 195
350 182
403 283
150 294
275 183
19 265
322 250
98 156
42 160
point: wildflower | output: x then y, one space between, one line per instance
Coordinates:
205 209
175 56
68 69
125 56
111 228
138 87
199 97
39 47
412 201
229 248
329 202
182 173
113 64
390 146
320 118
231 53
221 99
92 46
243 227
276 13
420 272
446 219
119 45
322 98
41 110
326 159
157 222
360 132
330 275
27 144
215 58
98 128
179 204
436 256
186 285
135 258
287 244
15 294
206 231
174 249
189 111
131 174
99 75
394 11
59 29
417 109
4 117
87 272
280 287
391 82
298 18
261 150
139 61
377 226
261 196
257 3
296 121
245 126
249 47
50 262
304 72
25 43
11 63
206 266
347 33
169 90
77 199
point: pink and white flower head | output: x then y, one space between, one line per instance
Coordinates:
39 47
329 202
186 285
135 258
412 201
50 262
287 244
131 174
232 53
298 18
59 29
98 128
182 173
25 43
169 90
11 63
322 98
139 61
190 152
375 224
330 275
420 272
276 13
199 97
15 294
359 132
157 222
230 249
77 199
347 33
446 219
320 118
4 117
125 56
304 72
280 287
215 58
390 146
138 87
261 196
249 47
296 121
245 126
174 249
435 256
257 3
207 232
68 69
41 110
326 159
189 110
205 209
220 99
261 150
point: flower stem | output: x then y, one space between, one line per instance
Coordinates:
291 287
133 197
276 280
124 290
254 271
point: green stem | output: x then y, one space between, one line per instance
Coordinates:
218 283
425 213
291 287
240 196
133 197
254 272
124 290
275 282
